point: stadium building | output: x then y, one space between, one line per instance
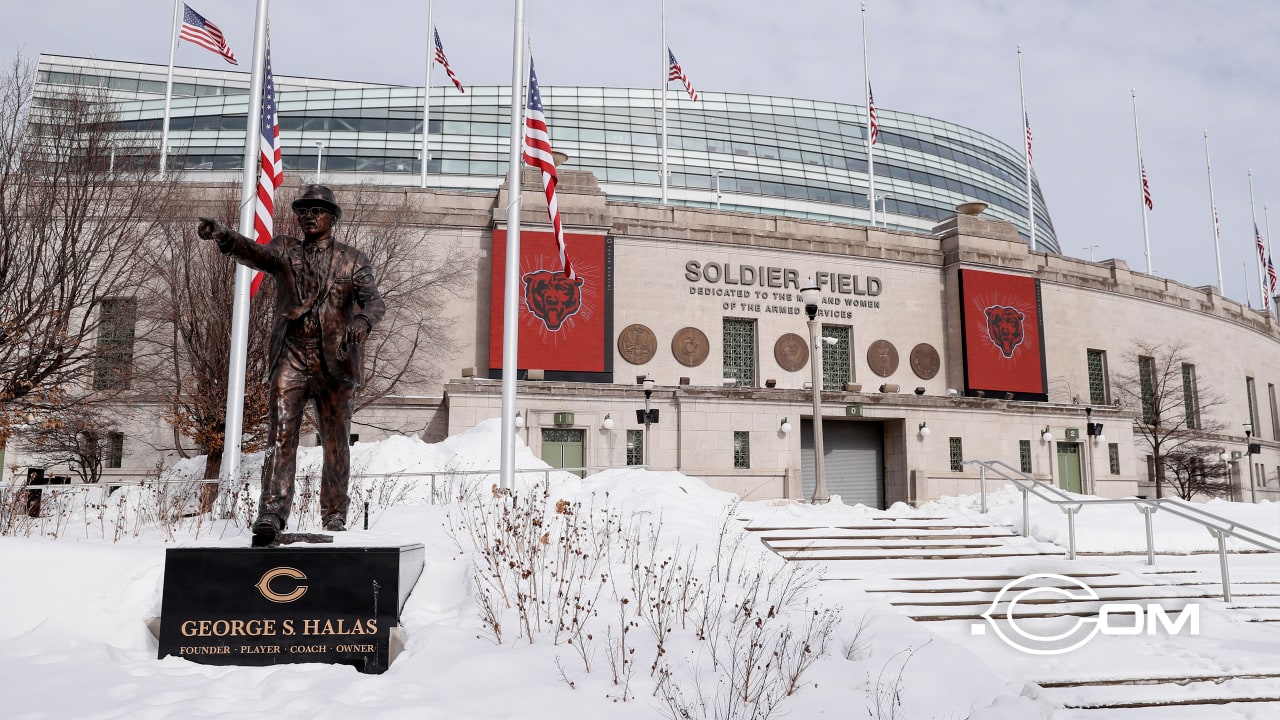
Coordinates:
945 337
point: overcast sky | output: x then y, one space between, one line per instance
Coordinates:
1196 66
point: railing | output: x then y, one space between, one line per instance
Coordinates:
1219 527
545 472
112 483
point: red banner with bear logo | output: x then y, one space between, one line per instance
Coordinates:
1003 335
565 324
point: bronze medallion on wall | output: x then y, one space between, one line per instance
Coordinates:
882 356
925 361
637 344
792 352
690 346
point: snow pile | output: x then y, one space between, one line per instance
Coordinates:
78 604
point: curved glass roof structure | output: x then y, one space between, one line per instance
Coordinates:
782 156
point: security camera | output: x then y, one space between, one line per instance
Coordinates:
829 340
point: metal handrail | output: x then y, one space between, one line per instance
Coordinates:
1218 526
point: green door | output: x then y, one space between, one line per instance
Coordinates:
1069 467
562 448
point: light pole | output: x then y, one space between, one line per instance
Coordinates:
716 174
1248 457
648 415
810 295
1093 431
319 155
1091 248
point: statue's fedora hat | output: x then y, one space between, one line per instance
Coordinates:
318 196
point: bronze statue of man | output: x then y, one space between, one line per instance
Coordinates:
327 303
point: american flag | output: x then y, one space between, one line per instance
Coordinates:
871 115
196 29
537 152
1146 190
272 174
1265 261
1271 274
444 61
675 72
1027 120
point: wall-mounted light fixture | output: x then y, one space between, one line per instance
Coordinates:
519 419
607 424
924 430
785 426
1045 435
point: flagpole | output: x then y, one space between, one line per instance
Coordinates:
1266 221
1213 207
1142 187
1258 250
1026 150
426 89
666 70
244 276
1248 289
866 96
510 291
168 91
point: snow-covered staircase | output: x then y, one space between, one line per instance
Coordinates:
945 572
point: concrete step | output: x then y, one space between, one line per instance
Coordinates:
1164 692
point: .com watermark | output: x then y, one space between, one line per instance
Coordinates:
1039 636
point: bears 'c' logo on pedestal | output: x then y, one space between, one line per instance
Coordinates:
1004 327
552 297
264 585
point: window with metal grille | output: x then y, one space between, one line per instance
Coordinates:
1190 396
740 351
635 447
117 320
115 449
1147 379
1252 399
956 451
1024 455
1113 456
836 363
1097 361
741 449
1275 417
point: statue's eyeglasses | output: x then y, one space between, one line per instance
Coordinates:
312 211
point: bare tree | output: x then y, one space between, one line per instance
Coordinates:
186 312
1197 469
417 273
77 197
79 438
1176 409
185 323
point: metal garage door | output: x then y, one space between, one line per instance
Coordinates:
853 460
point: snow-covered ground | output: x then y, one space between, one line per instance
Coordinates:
74 644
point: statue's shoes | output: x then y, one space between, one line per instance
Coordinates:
266 528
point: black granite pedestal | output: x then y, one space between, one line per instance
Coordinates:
265 606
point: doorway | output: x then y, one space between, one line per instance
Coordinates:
853 460
1069 475
562 448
